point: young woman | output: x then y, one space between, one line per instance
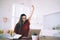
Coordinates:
22 27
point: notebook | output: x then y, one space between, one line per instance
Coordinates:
16 36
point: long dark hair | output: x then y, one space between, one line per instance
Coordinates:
20 20
19 25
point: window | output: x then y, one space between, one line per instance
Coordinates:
17 10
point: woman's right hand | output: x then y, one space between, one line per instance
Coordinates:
32 7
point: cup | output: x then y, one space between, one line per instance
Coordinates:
34 37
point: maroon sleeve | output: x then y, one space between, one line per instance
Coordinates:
28 21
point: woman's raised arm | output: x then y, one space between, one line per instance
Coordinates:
31 13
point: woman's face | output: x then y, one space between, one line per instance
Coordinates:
24 18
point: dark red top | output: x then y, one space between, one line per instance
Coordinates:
24 29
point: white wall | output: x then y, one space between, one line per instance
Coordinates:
51 21
49 6
42 7
5 11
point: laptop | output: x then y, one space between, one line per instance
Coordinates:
37 31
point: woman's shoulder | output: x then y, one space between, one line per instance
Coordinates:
27 21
